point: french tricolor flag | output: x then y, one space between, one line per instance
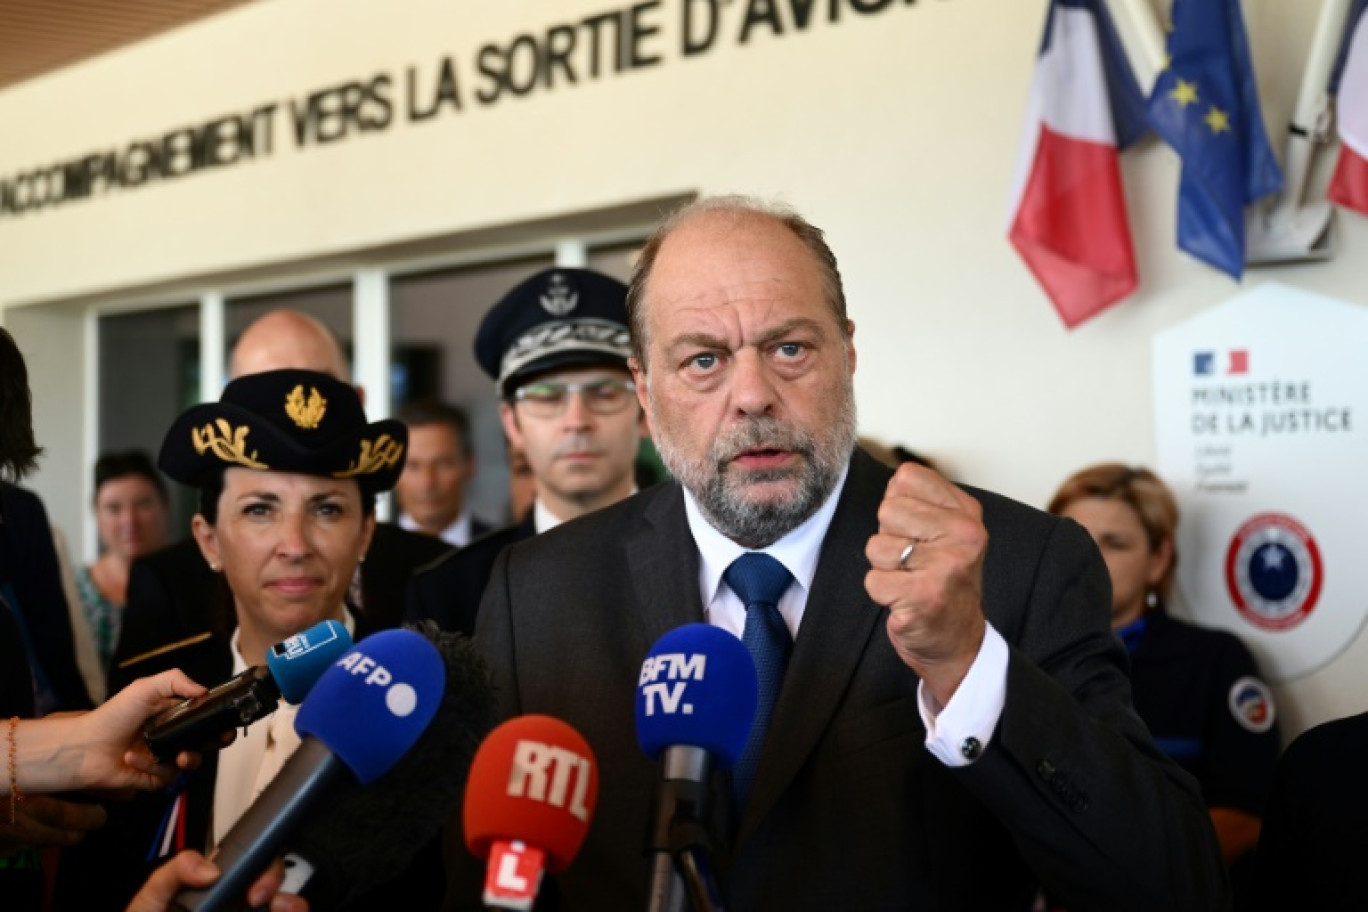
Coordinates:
1349 186
1068 207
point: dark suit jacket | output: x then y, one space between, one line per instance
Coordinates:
31 582
849 810
448 590
1313 842
173 597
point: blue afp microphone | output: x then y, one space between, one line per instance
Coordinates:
359 719
695 704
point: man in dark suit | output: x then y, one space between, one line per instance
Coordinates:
440 465
951 726
556 346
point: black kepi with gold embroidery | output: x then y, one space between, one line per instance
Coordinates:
285 421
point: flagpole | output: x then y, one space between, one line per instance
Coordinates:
1287 230
1143 38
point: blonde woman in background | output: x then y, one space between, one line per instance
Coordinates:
1198 690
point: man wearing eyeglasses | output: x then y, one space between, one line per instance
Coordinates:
557 348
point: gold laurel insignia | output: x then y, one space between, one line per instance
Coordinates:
228 443
306 413
375 456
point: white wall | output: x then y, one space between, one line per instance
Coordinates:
896 132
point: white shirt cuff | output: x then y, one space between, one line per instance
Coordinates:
961 730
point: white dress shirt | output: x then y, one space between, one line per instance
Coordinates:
972 712
457 534
543 520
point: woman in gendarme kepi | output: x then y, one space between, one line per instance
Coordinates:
287 468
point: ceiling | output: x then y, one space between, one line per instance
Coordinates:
38 36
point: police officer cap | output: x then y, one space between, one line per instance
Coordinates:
558 318
285 421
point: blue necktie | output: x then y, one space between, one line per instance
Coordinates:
760 580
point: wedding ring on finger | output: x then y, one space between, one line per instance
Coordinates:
906 553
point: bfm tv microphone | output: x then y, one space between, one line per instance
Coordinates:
292 666
362 715
695 705
361 840
531 794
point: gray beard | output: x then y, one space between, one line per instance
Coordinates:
721 495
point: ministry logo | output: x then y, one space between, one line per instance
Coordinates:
1273 571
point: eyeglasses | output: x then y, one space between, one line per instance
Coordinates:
548 398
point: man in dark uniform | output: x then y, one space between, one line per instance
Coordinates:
177 605
557 347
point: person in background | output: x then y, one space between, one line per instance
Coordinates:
895 455
1198 690
131 514
522 484
556 346
37 618
1313 841
441 464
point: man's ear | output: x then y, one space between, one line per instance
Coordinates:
638 378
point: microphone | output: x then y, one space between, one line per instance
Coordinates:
292 666
358 842
362 715
695 705
531 794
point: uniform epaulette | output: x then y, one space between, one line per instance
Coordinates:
162 650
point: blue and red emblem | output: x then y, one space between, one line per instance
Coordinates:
1251 703
1273 571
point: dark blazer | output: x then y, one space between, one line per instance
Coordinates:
1313 842
174 597
31 582
448 590
849 809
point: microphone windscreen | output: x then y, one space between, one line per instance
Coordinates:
374 702
698 689
367 835
297 663
534 779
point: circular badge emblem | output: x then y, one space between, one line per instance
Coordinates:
1251 703
1273 571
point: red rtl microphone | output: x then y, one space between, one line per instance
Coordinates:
528 802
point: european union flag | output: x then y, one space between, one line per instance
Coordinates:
1206 106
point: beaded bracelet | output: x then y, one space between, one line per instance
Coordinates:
15 798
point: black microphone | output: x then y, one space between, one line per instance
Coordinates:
362 715
695 706
292 666
361 840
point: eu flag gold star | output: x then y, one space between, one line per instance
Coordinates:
1185 93
1217 120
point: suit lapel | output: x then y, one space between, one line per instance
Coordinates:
838 622
662 563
